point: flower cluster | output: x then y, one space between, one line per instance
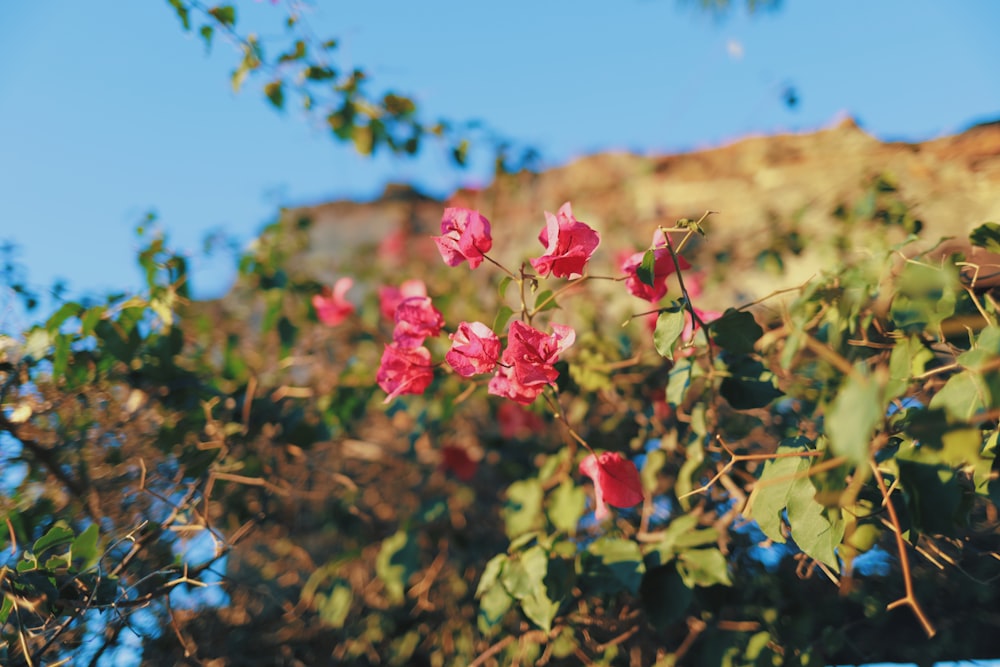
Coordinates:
524 364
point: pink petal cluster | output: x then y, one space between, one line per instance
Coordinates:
474 349
465 235
527 364
616 481
568 243
404 370
663 266
332 306
416 319
390 297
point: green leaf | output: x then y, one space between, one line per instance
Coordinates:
297 53
544 301
749 385
566 505
90 319
986 235
909 358
925 297
612 565
704 567
493 604
316 73
736 331
770 496
963 395
669 326
207 32
934 497
84 546
539 609
66 311
224 14
500 322
395 564
523 574
646 271
852 418
522 510
57 535
491 574
503 285
333 608
275 92
182 13
815 529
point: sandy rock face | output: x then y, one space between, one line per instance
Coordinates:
802 197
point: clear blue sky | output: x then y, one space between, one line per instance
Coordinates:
109 110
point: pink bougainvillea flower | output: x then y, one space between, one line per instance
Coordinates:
465 235
332 306
474 349
568 243
416 319
663 266
616 481
527 364
517 422
457 461
404 370
390 297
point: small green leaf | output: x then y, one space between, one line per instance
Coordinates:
986 235
750 385
395 563
503 285
566 505
646 271
275 92
493 604
316 73
297 53
57 535
500 322
524 572
207 32
669 326
612 565
224 14
736 331
851 420
90 319
544 301
491 574
334 607
84 546
704 567
182 13
522 510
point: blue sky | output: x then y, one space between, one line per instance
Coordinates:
109 110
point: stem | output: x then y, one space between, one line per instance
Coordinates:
904 559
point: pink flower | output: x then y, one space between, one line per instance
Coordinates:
457 460
465 235
404 370
416 319
516 422
526 366
332 306
474 349
568 243
616 481
663 266
390 297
